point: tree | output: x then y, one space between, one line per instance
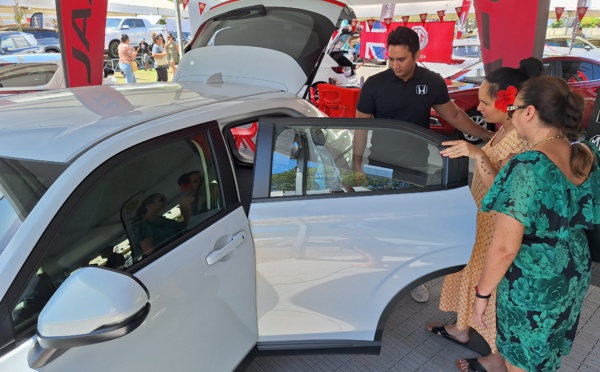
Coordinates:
559 24
589 22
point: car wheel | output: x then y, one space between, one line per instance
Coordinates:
113 49
479 120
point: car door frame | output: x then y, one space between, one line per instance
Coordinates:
230 200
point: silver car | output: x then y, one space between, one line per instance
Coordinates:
155 227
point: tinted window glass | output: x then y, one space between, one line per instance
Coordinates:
319 160
20 42
132 210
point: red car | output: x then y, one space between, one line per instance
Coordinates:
583 75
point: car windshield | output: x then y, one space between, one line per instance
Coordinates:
112 22
22 184
473 74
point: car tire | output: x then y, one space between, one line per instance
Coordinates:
113 49
479 120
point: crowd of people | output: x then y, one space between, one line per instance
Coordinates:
537 189
160 55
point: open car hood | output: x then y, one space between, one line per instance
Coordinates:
270 43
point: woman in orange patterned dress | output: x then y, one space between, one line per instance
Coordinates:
458 292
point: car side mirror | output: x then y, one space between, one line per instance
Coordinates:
587 47
93 305
124 27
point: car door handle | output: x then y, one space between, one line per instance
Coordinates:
216 255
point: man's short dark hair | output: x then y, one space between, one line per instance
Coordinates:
404 36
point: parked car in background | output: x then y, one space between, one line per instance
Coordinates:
582 74
30 73
13 42
281 249
561 44
46 38
135 28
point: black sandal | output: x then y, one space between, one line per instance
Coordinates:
441 331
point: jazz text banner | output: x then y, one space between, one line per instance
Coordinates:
81 28
435 39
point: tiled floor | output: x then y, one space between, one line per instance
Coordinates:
407 346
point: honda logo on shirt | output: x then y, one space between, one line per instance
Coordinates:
421 89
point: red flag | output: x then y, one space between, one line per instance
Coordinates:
423 18
462 18
185 3
405 20
458 11
201 6
82 26
581 12
559 10
438 51
387 22
441 14
370 23
353 24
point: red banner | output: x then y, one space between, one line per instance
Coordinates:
81 28
462 17
435 39
492 20
559 10
458 11
387 22
201 6
353 24
185 3
369 24
423 17
441 14
405 20
581 10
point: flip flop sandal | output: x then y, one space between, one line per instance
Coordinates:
441 331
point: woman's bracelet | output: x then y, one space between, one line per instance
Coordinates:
479 295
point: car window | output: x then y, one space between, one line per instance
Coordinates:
48 34
574 71
129 22
139 23
27 74
20 42
131 210
319 160
7 42
587 70
579 44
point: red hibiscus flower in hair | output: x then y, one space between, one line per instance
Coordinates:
186 186
505 98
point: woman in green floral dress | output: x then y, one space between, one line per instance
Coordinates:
539 258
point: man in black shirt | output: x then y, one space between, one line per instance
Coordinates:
405 92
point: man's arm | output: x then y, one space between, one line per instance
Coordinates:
359 143
461 121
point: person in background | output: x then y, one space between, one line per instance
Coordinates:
496 93
406 92
127 56
539 259
580 32
173 53
161 62
144 48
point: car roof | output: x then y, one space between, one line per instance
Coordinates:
57 126
31 58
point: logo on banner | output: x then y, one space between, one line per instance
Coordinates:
387 22
458 11
405 20
441 14
421 89
423 17
581 12
559 10
423 36
201 6
185 3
